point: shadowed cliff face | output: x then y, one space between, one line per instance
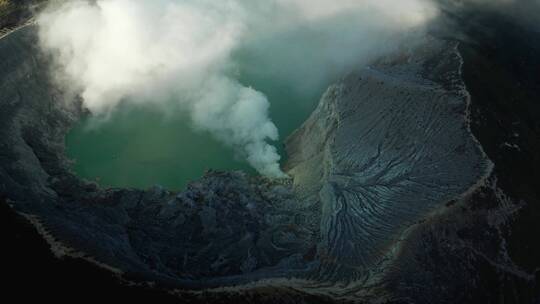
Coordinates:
388 149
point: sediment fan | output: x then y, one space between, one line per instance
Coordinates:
404 176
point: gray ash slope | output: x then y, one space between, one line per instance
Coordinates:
392 197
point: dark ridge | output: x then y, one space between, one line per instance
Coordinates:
501 72
30 270
485 248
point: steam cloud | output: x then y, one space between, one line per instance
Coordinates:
154 51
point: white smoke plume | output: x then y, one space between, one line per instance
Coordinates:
154 51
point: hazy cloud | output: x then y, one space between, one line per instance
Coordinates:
155 51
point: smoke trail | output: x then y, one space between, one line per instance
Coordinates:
137 50
151 51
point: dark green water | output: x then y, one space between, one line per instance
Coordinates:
140 147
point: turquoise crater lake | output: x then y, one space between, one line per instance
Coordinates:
139 146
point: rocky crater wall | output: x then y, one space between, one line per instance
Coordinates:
388 149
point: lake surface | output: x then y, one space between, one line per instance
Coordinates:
140 147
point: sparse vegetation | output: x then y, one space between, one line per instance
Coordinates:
13 12
6 6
